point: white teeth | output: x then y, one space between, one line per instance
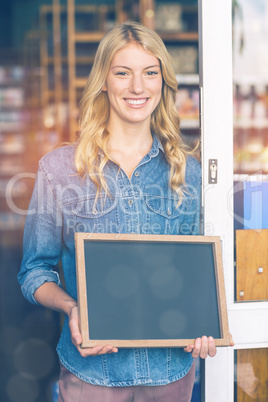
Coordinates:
136 102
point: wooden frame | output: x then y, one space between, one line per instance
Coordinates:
93 283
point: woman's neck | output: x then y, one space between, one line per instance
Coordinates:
130 138
129 146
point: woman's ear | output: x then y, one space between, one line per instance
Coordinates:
104 88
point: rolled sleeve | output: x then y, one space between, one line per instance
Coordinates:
42 241
35 279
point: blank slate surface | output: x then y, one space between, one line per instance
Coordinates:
151 290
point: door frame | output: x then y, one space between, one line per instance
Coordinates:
248 321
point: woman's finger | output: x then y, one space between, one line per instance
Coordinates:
189 348
85 352
114 350
197 347
96 350
211 347
74 327
231 340
204 347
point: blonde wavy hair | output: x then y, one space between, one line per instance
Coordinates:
94 108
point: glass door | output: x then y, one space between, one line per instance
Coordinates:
250 102
234 205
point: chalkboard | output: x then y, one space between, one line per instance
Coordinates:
150 290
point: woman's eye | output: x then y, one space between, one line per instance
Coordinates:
152 72
123 73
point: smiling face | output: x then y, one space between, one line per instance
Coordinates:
133 85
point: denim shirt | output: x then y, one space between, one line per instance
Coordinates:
64 203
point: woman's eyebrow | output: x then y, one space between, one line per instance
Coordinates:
128 68
155 65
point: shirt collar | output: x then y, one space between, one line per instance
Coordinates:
156 146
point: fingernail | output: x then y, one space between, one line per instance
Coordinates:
210 339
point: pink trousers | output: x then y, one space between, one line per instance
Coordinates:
72 389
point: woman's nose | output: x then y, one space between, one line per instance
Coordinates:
136 85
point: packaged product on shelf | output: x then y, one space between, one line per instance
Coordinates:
187 103
11 97
168 17
184 59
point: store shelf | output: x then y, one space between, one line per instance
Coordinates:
183 43
250 178
50 95
93 37
80 82
11 221
10 126
187 79
179 36
248 123
10 170
13 142
17 150
46 9
189 123
79 60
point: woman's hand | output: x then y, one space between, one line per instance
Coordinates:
51 295
204 347
77 338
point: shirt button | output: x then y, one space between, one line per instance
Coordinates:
137 174
132 232
168 212
130 202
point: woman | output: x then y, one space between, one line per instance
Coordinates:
127 173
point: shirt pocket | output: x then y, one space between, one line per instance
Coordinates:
165 216
95 216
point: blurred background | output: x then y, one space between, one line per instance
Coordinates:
47 48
